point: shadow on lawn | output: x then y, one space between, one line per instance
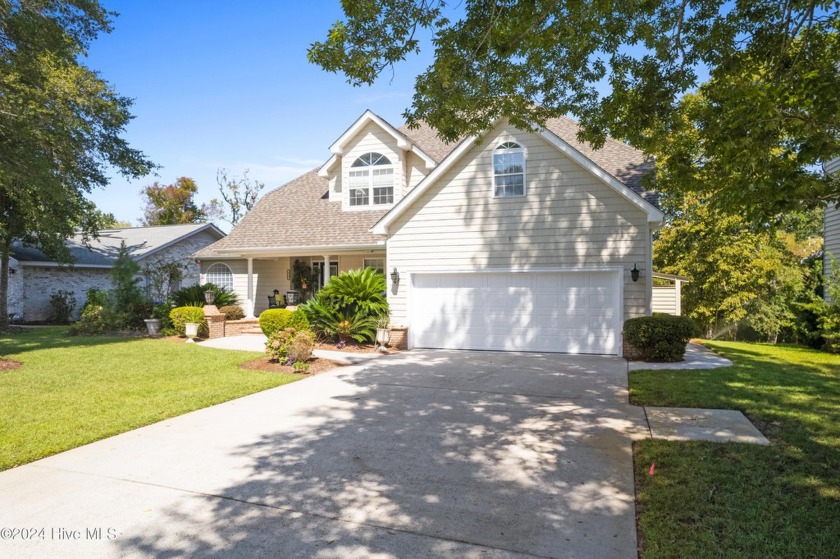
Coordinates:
390 469
791 488
22 340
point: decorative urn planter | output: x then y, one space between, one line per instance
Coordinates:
153 326
191 331
383 336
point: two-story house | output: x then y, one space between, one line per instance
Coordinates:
528 241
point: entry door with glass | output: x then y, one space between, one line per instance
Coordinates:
318 272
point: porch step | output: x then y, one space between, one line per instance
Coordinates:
253 331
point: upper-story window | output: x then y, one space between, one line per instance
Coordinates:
508 170
371 180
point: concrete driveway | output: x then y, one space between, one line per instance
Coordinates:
421 454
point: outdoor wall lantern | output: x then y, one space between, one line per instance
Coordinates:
634 273
395 276
209 296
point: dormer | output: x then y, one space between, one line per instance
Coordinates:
373 165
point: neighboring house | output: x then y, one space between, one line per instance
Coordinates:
667 293
525 241
33 277
831 227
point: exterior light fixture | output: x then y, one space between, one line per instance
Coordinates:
634 273
395 276
209 296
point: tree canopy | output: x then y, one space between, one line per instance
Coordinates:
759 126
239 195
61 127
172 204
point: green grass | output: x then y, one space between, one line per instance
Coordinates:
739 500
74 390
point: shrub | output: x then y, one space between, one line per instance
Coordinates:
62 304
357 292
232 312
659 338
275 320
290 346
181 315
128 306
193 296
91 322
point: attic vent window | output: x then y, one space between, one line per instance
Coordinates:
508 170
371 180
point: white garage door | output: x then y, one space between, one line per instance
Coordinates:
568 312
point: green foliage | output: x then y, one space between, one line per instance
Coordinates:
301 275
92 321
358 291
232 312
239 195
62 304
350 306
172 204
659 338
180 316
129 306
275 320
300 367
290 346
757 130
193 296
163 276
61 127
96 297
740 272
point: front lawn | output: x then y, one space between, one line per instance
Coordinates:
739 500
74 390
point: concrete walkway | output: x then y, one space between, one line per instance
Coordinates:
696 357
419 454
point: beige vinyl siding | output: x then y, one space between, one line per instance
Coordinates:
832 239
664 300
415 172
372 139
568 219
336 190
831 228
268 276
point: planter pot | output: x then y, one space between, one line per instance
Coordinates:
191 331
153 326
383 336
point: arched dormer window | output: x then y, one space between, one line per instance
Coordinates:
371 180
220 274
508 170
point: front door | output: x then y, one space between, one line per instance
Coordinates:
318 273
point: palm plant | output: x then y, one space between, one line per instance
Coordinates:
193 296
358 291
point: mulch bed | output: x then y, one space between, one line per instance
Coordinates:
9 364
264 364
352 348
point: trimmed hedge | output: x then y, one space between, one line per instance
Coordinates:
181 315
232 312
659 338
275 320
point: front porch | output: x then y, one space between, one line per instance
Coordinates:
255 277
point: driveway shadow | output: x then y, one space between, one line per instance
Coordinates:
430 454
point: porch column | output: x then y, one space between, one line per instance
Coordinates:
249 303
326 269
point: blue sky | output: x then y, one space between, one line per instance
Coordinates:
227 84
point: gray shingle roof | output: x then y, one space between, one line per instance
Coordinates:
141 242
299 213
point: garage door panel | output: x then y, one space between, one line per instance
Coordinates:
533 311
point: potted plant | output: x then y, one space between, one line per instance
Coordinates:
383 334
154 323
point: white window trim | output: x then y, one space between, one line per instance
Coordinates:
521 149
347 187
366 260
222 264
